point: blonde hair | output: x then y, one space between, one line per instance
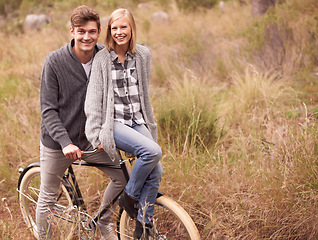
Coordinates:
119 13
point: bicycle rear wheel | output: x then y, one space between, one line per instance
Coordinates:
62 217
171 221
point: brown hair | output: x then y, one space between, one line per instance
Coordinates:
84 14
121 12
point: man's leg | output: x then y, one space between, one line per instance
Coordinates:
114 188
53 165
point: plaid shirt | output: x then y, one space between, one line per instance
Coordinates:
126 92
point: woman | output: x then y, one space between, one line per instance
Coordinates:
119 114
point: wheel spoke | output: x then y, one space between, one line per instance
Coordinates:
170 222
61 219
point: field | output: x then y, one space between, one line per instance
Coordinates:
235 99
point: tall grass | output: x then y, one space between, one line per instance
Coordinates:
187 115
239 138
261 175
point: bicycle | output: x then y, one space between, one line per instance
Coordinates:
69 217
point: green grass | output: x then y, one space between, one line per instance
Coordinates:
187 116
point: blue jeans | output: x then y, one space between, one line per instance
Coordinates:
145 177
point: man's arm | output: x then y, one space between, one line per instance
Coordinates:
49 95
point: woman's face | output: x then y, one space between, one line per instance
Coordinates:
121 32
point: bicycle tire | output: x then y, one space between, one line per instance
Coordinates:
171 222
29 189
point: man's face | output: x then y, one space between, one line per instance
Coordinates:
85 37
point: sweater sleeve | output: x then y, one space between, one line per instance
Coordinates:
93 104
152 124
144 66
49 105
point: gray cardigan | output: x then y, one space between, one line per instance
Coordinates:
62 96
99 104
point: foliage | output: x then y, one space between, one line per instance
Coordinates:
186 116
278 39
7 6
195 4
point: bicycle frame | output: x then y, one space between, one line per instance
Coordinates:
173 221
70 181
70 175
71 184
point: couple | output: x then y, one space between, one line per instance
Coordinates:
95 96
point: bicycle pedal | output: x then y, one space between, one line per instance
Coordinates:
92 225
84 238
72 209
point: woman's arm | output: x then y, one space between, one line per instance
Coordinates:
145 65
94 104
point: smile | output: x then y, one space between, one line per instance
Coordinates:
87 43
120 38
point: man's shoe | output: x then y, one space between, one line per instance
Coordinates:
107 232
129 205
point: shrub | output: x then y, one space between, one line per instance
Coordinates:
195 4
186 117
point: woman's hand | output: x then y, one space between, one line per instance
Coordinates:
100 147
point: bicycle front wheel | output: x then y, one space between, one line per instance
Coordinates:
170 220
61 217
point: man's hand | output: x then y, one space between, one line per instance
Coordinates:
72 152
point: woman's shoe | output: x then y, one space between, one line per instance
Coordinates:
139 231
129 205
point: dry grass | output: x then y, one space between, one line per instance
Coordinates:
239 138
260 176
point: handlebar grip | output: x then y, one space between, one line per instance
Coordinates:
89 152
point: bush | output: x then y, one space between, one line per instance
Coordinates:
186 117
7 6
195 4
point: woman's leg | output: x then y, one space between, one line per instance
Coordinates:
148 195
146 174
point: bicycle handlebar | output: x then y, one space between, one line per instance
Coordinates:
89 152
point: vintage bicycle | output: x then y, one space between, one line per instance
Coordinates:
70 218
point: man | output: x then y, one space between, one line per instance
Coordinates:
63 88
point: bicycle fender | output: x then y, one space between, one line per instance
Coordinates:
159 194
31 165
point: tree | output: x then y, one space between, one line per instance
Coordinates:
260 7
272 53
